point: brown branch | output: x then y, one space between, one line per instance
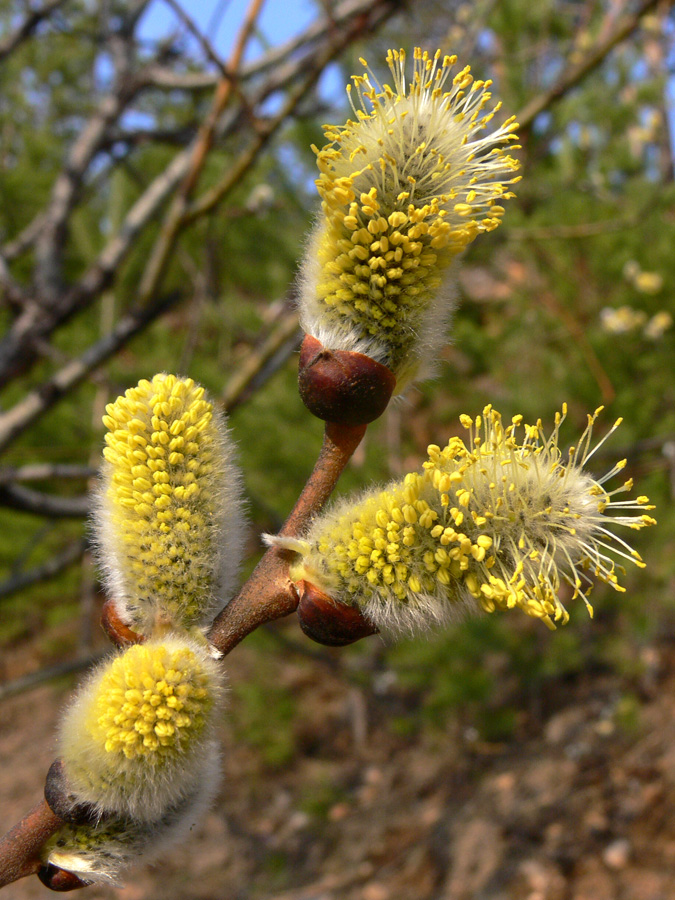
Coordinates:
577 72
269 594
24 413
285 334
11 41
20 847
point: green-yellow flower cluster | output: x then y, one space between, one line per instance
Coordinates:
101 853
137 742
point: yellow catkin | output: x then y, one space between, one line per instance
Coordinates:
168 517
102 852
138 730
495 521
405 187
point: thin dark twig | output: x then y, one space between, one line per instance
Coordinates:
18 347
23 31
44 472
49 673
201 38
285 336
73 553
40 503
577 71
16 420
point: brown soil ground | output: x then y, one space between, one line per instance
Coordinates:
577 806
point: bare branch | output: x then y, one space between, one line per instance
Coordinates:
20 848
161 77
11 41
71 554
49 673
16 420
380 11
42 504
70 181
14 292
44 472
575 73
17 347
203 41
286 335
341 15
174 221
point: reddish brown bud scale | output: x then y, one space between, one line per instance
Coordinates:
328 622
59 880
119 633
343 387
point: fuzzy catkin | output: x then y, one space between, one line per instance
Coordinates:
405 187
495 522
139 733
168 520
102 853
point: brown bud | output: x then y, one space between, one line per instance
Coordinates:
61 801
343 387
119 633
328 622
59 880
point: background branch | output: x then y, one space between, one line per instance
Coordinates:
576 72
14 496
25 29
58 563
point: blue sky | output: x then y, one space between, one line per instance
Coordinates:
279 19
